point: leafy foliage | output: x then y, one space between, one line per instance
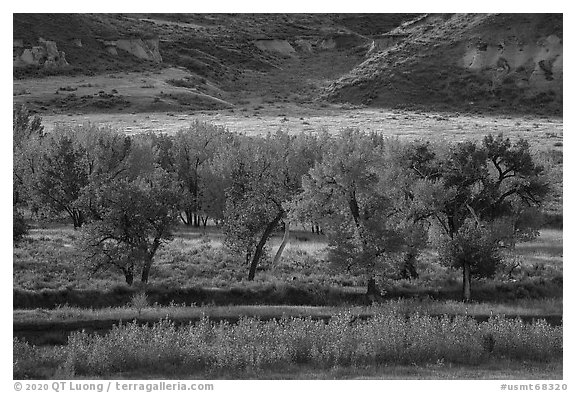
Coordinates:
490 194
477 246
25 126
19 226
59 168
136 218
251 345
265 175
378 200
192 153
349 192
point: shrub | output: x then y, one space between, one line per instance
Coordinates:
67 88
139 301
23 355
29 361
19 226
252 344
186 82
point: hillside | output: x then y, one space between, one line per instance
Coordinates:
227 60
472 61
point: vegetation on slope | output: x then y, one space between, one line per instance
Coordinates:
424 62
428 65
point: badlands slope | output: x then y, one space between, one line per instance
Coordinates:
470 61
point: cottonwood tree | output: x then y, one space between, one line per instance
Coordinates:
25 126
144 157
162 150
26 130
477 249
59 175
57 169
214 194
19 225
343 193
407 214
136 218
192 151
304 151
107 158
478 195
265 175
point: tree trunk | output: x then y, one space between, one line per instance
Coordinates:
129 276
148 261
409 267
514 266
372 288
145 273
284 242
77 218
372 291
466 281
354 209
204 221
146 270
188 219
260 247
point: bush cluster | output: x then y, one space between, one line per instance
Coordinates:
250 345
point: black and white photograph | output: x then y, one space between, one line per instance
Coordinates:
286 196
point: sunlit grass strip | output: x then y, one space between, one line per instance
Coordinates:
522 307
251 344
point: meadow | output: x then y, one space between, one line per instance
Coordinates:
46 265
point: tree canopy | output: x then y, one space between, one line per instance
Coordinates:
136 218
380 201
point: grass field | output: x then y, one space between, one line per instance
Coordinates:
531 307
496 369
49 260
261 119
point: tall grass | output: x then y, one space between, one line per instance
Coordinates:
387 338
139 306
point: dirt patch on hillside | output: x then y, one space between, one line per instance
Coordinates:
282 47
142 49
